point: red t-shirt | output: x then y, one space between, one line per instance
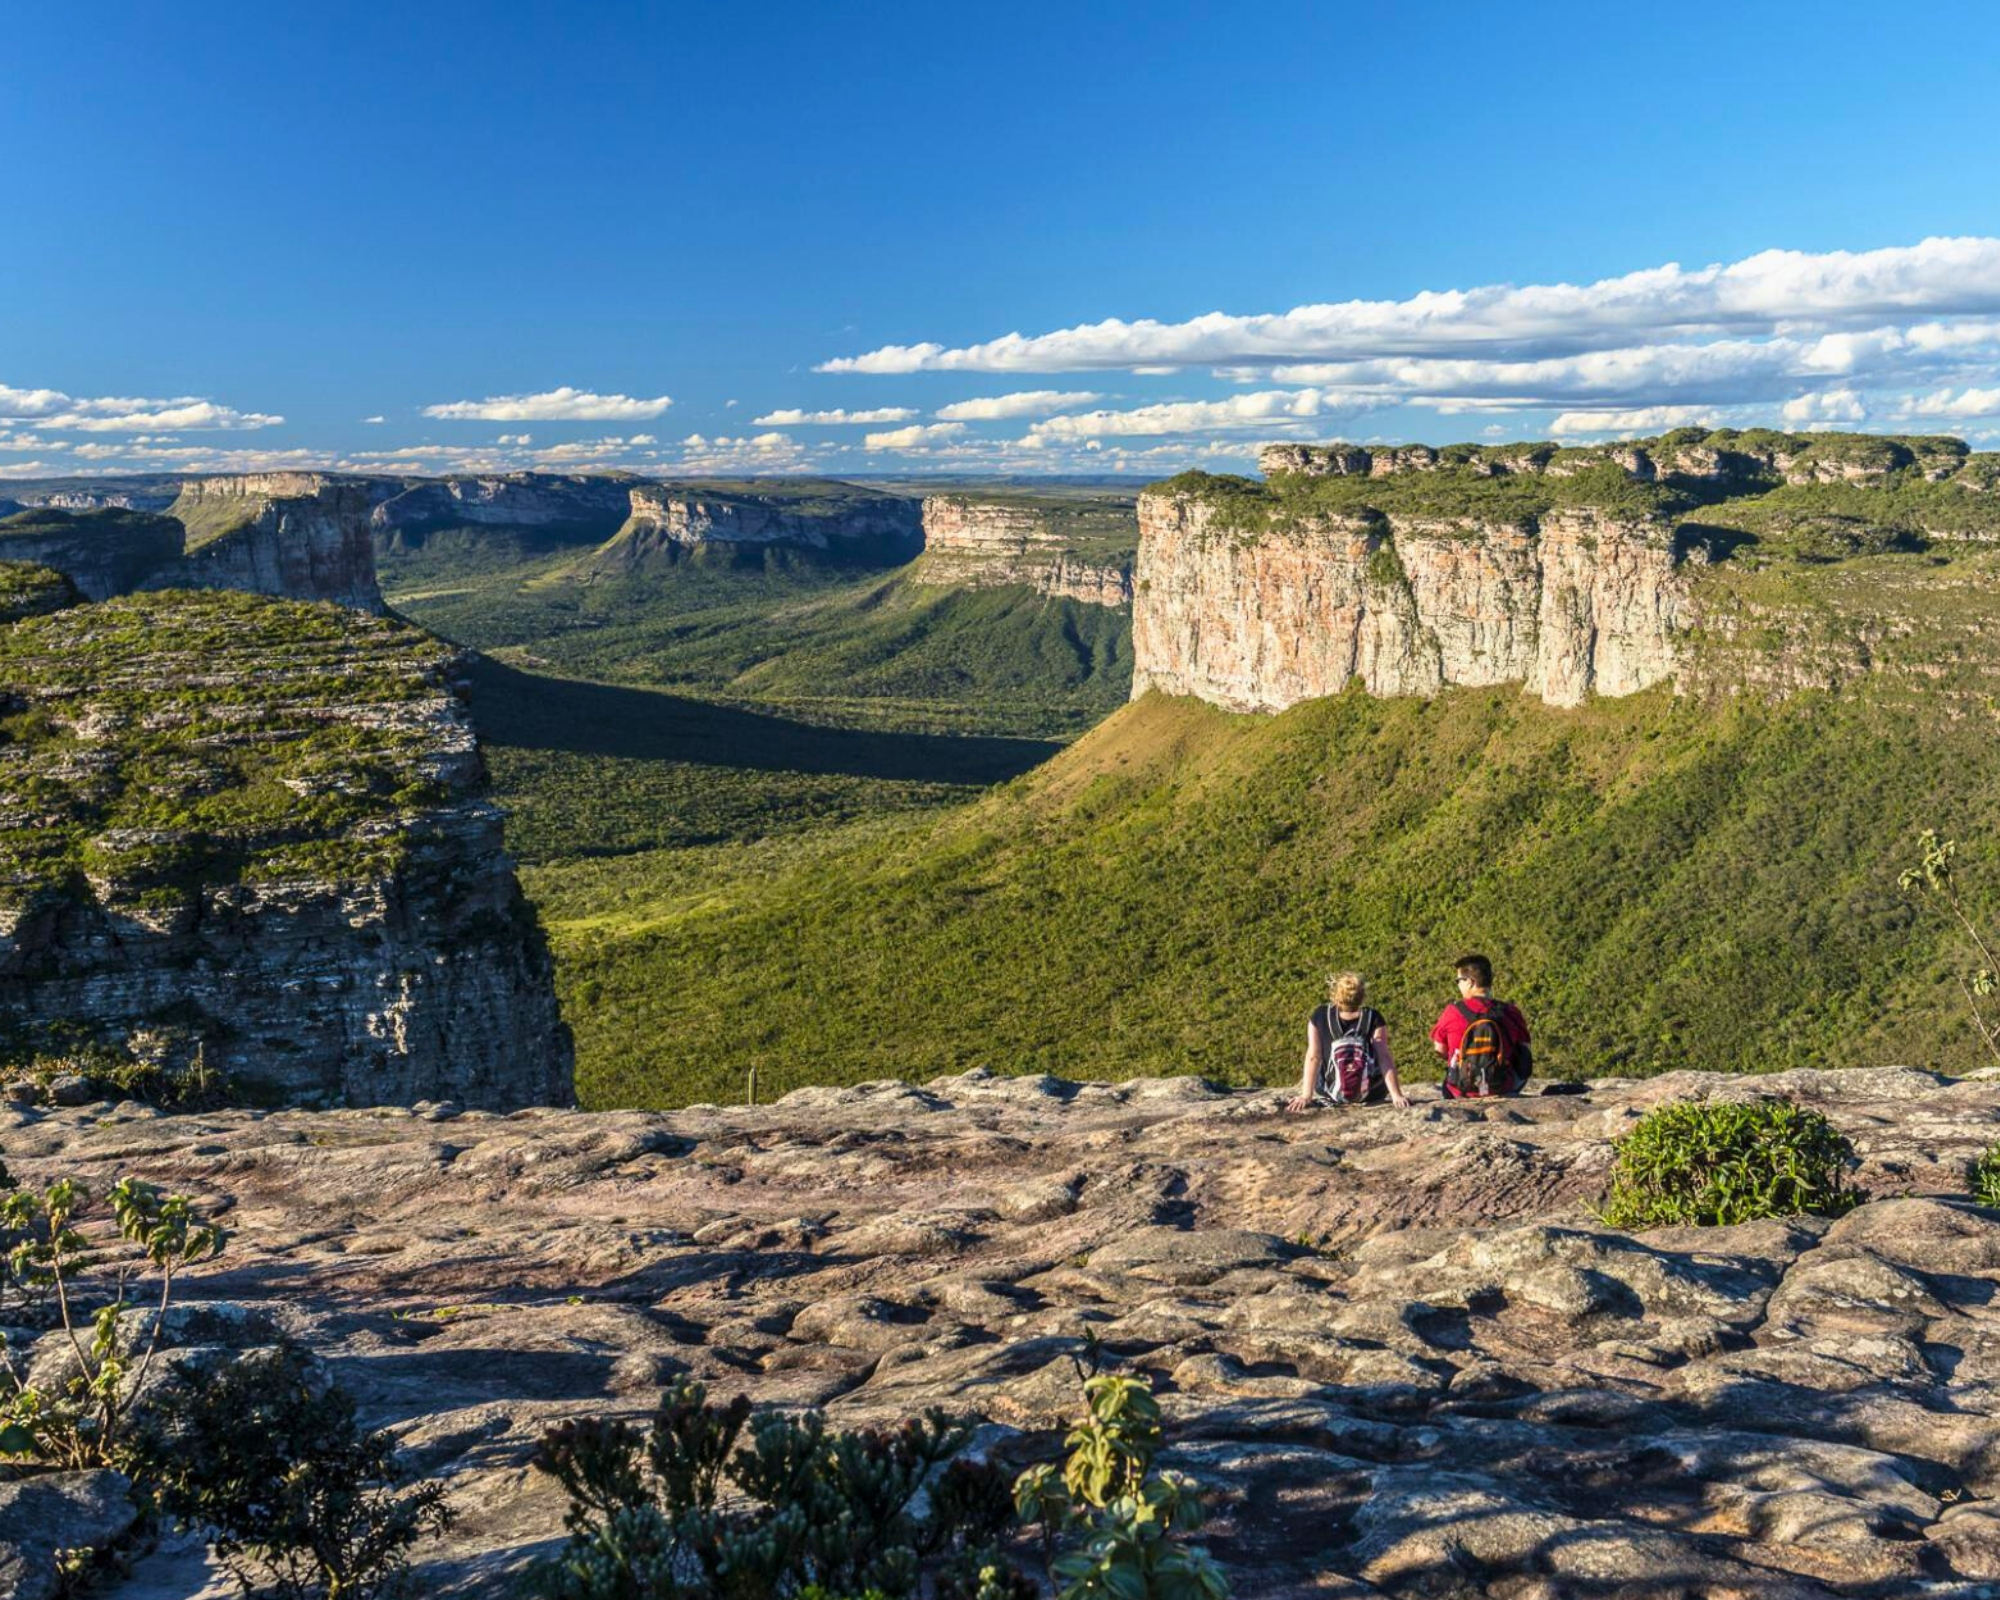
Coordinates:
1450 1030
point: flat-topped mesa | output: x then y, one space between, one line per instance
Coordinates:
583 502
1056 549
298 535
667 522
258 830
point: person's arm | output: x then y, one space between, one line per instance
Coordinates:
1387 1062
1438 1035
1309 1081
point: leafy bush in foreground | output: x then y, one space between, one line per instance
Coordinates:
683 1513
1108 1520
1713 1165
1986 1177
300 1503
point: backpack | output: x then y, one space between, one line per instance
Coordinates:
1489 1062
1350 1055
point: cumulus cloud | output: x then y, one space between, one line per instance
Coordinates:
1627 424
914 438
374 421
1261 411
1025 403
760 452
552 405
1829 408
514 438
1761 294
1952 404
793 419
51 408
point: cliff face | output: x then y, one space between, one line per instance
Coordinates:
977 544
1727 560
667 522
102 552
299 535
1407 604
542 500
258 828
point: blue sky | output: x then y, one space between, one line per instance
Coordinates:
515 232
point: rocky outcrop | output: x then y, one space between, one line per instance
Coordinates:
255 832
1576 603
102 552
1396 1350
300 535
27 590
584 504
667 522
100 499
1054 548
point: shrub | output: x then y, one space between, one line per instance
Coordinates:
1713 1165
51 1240
1986 1177
300 1502
1108 1520
804 1511
1934 879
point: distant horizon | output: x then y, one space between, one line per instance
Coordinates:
1058 241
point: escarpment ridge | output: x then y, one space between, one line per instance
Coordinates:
1573 571
1078 551
669 521
252 833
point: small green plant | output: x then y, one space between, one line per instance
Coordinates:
1935 879
1108 1520
717 1502
1986 1176
1714 1165
53 1244
300 1504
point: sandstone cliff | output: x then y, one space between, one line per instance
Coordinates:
1573 571
667 522
1397 1350
579 503
258 828
1075 551
300 535
103 552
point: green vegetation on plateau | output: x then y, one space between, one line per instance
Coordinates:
165 742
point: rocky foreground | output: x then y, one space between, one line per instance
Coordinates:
1393 1345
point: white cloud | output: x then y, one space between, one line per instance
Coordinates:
1025 403
757 453
374 422
29 441
1763 294
915 438
1627 424
51 408
514 438
27 469
1260 411
794 419
1948 404
552 405
1829 408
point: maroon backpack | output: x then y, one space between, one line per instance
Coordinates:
1488 1060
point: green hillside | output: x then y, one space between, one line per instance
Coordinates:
1663 882
782 631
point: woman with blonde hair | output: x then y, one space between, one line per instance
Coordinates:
1347 1051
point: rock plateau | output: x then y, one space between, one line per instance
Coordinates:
1394 1348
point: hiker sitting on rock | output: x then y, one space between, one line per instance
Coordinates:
1347 1051
1484 1041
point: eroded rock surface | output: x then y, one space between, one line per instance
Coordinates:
1394 1346
1078 550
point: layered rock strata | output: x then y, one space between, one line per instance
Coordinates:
1575 603
667 522
575 502
1394 1349
256 832
977 544
102 552
301 535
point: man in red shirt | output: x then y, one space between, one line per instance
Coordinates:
1509 1067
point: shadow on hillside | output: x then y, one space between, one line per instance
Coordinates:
524 710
